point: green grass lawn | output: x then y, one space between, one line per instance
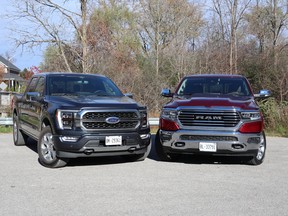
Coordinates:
6 129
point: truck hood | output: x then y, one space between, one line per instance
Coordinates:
243 103
93 101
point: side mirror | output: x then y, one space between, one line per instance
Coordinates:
166 93
263 94
33 96
129 95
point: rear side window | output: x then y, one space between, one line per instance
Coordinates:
32 84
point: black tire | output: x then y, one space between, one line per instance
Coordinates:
138 157
162 155
260 156
19 137
46 150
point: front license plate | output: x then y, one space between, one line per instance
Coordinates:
113 140
207 147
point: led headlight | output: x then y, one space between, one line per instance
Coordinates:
170 114
65 118
144 119
251 115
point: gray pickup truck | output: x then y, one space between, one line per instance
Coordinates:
79 115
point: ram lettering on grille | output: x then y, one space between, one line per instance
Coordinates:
209 119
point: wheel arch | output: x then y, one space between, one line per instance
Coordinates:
45 123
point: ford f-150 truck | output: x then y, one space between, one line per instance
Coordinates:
75 115
212 115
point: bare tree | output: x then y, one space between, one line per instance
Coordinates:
230 14
51 22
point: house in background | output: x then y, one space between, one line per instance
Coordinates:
10 83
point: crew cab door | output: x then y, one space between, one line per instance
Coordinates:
31 108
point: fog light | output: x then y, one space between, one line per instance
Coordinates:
166 135
69 139
253 140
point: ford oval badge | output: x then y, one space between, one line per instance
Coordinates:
112 120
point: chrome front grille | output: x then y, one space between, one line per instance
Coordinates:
96 120
203 118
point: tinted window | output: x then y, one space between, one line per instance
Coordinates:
82 85
211 85
32 84
40 85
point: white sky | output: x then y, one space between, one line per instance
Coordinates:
25 58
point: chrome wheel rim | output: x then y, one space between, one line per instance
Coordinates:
261 150
47 148
15 130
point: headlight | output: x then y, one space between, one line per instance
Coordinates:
65 118
170 114
144 119
251 115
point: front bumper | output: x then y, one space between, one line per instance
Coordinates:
227 143
91 145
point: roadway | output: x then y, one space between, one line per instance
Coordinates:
109 186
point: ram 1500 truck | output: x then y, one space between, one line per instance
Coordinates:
79 115
212 115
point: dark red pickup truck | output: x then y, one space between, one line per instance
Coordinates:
212 115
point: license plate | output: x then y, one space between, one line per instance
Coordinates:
207 147
113 140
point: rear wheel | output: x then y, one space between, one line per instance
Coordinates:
19 137
47 151
259 157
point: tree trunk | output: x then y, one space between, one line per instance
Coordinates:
85 67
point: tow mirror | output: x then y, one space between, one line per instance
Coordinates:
263 94
166 93
32 96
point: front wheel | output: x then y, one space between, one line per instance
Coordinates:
47 152
259 157
163 156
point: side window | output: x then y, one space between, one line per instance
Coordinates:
40 85
32 85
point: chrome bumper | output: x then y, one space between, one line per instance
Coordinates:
227 142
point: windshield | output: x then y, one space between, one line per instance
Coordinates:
213 85
82 85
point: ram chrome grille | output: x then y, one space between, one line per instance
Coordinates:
209 118
97 120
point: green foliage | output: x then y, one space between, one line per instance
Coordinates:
276 116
